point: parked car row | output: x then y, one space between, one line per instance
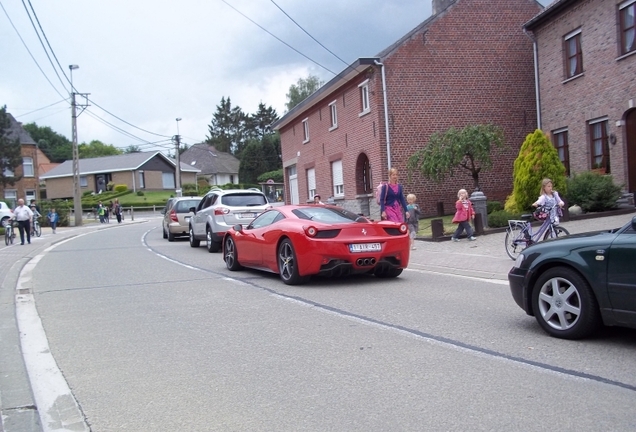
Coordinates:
295 241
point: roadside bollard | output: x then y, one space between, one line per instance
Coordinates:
437 228
479 224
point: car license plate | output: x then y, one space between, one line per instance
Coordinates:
247 215
364 247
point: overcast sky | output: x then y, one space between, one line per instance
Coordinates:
149 62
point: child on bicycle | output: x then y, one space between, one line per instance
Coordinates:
550 199
464 214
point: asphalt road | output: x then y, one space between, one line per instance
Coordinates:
149 335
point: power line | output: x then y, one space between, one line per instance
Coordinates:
39 109
307 33
42 43
29 51
277 38
124 121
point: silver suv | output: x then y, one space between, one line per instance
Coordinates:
219 210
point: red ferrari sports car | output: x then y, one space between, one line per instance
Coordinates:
298 241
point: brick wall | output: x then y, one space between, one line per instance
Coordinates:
471 64
606 88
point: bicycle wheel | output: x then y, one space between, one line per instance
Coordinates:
515 241
37 229
7 237
555 232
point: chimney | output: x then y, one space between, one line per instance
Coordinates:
440 5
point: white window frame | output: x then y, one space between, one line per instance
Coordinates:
83 181
364 97
333 110
337 178
29 194
11 197
306 130
311 182
141 179
622 6
27 167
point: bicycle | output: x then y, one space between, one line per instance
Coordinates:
36 229
9 233
519 233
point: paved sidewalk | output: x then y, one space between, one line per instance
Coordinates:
486 257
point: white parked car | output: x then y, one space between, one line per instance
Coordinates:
5 213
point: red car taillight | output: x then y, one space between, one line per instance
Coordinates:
173 216
310 231
220 211
403 228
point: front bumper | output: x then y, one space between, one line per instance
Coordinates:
518 288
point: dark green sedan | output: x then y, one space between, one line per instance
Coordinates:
575 284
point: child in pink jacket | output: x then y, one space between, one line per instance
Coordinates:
464 214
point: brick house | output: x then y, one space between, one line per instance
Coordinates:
28 187
151 171
586 52
469 63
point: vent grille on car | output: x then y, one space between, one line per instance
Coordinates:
328 233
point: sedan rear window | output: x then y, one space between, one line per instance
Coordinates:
244 200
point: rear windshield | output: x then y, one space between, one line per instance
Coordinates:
244 200
327 214
184 206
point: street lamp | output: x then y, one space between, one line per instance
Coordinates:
177 139
77 200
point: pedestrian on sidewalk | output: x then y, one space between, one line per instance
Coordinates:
23 215
117 210
100 212
414 218
392 202
53 218
463 216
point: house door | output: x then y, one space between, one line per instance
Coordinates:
630 140
293 185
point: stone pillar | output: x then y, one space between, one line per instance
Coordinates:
479 204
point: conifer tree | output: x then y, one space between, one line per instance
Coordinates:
538 159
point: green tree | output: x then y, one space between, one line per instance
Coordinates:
10 151
228 131
301 90
270 148
252 162
95 149
261 120
467 149
55 146
132 149
538 159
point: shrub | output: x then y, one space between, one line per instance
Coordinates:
537 160
492 206
500 218
87 193
593 192
140 193
120 188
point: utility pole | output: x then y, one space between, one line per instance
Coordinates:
77 199
177 139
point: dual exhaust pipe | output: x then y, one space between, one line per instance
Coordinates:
365 262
